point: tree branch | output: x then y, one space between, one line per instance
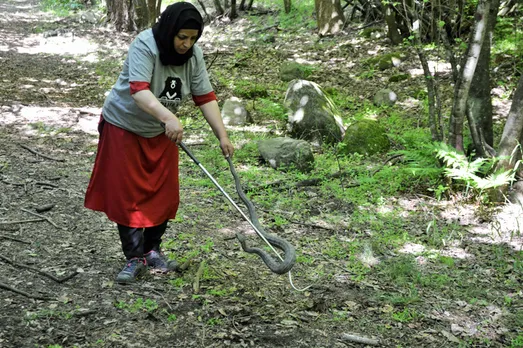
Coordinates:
50 276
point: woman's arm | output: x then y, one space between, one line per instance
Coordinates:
146 101
211 112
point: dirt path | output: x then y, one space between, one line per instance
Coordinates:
50 106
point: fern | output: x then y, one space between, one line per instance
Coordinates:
422 162
426 162
458 167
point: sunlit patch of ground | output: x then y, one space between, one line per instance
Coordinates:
34 120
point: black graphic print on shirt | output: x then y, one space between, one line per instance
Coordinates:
171 95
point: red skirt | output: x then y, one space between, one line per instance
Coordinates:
135 179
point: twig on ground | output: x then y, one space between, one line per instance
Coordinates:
84 313
23 293
199 273
20 221
13 183
41 155
14 239
386 161
43 217
41 183
359 339
50 276
164 300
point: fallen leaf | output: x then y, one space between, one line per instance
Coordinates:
450 336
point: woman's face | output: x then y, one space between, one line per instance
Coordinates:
184 40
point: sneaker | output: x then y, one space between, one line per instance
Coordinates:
133 268
157 262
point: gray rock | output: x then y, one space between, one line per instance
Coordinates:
385 97
312 115
283 153
234 113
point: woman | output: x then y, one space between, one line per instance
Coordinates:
135 175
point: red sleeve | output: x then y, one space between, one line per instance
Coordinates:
204 99
137 86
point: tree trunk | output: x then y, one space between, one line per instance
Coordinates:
479 103
242 5
204 9
135 15
287 5
467 73
435 119
218 7
513 131
233 14
392 27
329 16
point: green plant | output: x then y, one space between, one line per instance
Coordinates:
214 322
220 292
250 90
421 162
340 315
406 315
272 110
472 173
137 305
368 74
178 282
46 129
517 342
61 7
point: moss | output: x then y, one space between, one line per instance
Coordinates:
250 91
399 77
384 61
367 32
290 71
365 137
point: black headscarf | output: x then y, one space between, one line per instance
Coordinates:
180 15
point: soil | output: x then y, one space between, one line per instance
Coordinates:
58 265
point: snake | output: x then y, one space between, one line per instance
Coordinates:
287 248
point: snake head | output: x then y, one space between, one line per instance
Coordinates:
241 238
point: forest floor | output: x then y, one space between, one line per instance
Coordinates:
58 266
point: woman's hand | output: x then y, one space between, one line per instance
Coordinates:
174 130
227 148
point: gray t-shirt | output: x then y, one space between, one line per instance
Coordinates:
170 84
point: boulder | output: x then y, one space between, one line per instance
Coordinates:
312 116
284 153
365 137
385 97
234 113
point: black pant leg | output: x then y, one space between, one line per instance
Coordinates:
153 237
132 241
